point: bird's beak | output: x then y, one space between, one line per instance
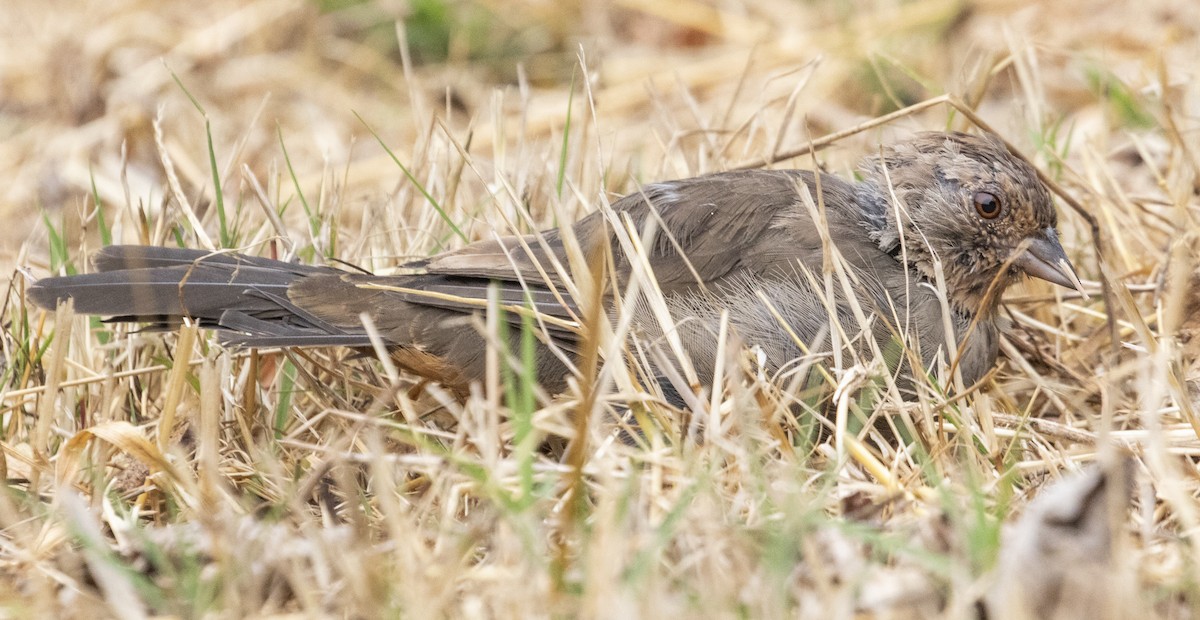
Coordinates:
1044 258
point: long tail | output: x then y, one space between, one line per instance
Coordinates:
245 297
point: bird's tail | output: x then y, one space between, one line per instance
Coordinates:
245 297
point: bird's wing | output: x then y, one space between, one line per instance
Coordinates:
710 229
408 305
707 229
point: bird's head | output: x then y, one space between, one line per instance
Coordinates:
972 204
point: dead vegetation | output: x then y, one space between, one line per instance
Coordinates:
162 475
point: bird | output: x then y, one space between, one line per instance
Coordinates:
940 211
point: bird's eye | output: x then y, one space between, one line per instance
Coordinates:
986 205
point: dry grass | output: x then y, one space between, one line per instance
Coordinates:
163 475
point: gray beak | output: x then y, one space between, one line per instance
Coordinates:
1045 259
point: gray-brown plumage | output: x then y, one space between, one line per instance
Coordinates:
960 198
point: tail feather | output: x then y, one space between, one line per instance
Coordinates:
199 291
129 257
243 330
259 302
162 286
246 298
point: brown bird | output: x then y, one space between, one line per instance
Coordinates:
727 241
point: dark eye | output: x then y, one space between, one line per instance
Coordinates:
987 205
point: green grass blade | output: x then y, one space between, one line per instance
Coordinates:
101 223
227 239
314 223
287 385
566 141
60 256
421 188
